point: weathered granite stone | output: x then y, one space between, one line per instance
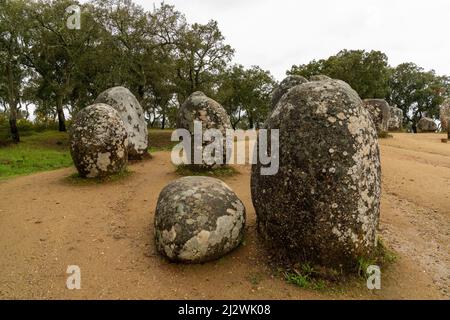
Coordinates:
380 112
396 119
285 85
198 107
198 219
323 205
133 117
98 142
426 125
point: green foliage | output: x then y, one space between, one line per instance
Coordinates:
417 92
366 72
246 95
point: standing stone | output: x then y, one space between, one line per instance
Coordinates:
198 219
426 125
319 77
132 114
285 85
380 113
98 142
198 107
323 205
444 114
395 119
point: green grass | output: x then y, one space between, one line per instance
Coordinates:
35 153
306 278
49 150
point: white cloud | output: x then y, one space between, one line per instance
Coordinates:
275 34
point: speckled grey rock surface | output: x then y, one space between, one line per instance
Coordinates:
198 219
98 142
133 117
396 119
380 112
323 205
426 125
444 114
199 107
285 85
319 77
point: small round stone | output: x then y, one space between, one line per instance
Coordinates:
98 142
198 219
132 115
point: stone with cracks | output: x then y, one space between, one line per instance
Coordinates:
199 107
396 119
323 205
285 85
380 112
426 125
98 142
198 219
132 115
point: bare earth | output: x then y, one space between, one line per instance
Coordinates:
48 223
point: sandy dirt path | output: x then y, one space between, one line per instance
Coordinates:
48 223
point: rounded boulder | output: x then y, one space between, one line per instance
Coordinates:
132 115
285 85
98 142
380 113
426 124
396 119
198 219
211 115
323 205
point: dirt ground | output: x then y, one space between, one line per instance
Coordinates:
48 223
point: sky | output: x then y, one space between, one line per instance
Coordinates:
276 34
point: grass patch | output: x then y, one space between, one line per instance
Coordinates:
305 277
160 140
75 178
35 153
220 171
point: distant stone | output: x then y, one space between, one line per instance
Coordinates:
285 85
133 117
380 113
98 142
319 77
323 205
426 125
444 114
396 119
198 219
199 107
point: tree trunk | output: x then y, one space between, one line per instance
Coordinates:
13 122
163 122
61 117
